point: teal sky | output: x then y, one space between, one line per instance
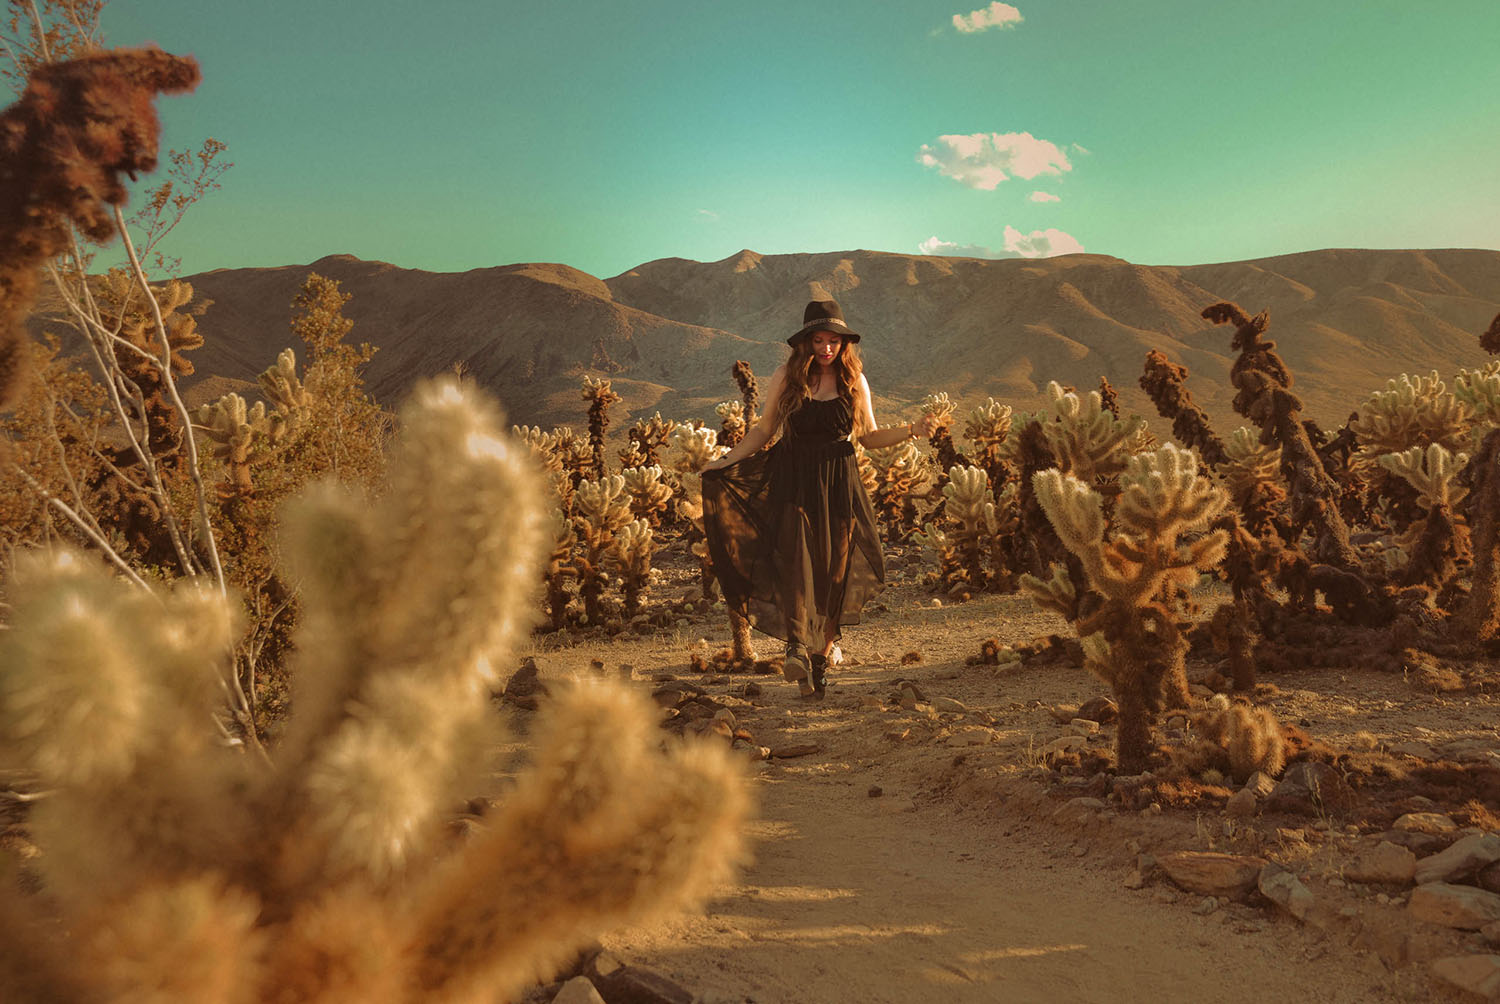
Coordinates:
452 135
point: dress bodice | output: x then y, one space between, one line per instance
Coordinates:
822 421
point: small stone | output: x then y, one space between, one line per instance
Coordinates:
1135 880
1410 748
1460 906
646 986
872 702
1425 822
1082 727
1387 864
578 990
795 750
936 603
1206 906
1099 709
1306 784
1242 804
1476 974
948 704
1285 890
1465 855
1213 873
1077 810
1062 745
875 791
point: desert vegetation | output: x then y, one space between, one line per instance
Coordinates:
249 648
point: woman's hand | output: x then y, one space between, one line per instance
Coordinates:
715 465
924 427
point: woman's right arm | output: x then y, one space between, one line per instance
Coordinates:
760 434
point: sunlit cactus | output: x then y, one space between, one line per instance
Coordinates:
600 397
972 535
178 869
939 408
1437 543
600 509
647 438
900 474
1252 473
1479 390
233 429
732 424
1153 547
560 569
986 429
1088 441
283 388
1250 738
692 450
649 494
630 555
1412 411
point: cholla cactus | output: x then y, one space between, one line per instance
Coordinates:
940 408
986 430
560 569
900 473
1088 441
1252 472
692 450
630 554
647 437
600 508
1250 738
649 495
1412 412
744 378
1437 543
1479 390
1138 564
600 397
178 869
233 428
283 388
732 423
975 530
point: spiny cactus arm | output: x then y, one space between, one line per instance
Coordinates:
1056 593
446 566
1165 383
600 831
1075 510
1431 472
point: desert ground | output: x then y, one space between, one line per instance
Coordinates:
942 852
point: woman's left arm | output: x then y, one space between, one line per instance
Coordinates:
878 438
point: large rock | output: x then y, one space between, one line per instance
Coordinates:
1476 974
1386 864
1212 873
1460 906
1310 786
1465 856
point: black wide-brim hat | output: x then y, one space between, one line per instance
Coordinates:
823 315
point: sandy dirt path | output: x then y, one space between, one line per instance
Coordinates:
938 892
851 899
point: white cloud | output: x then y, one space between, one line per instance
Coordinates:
1082 151
996 15
1044 197
983 160
1037 244
707 216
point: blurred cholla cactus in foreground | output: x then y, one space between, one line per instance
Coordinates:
177 869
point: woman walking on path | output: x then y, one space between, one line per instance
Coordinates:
791 530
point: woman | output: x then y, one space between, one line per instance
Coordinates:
791 530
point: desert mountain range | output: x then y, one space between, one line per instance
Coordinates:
667 332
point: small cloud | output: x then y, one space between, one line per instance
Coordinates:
1044 197
707 216
983 160
996 15
1037 244
1079 149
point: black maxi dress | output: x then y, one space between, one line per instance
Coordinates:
791 530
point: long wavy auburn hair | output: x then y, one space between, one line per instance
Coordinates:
847 367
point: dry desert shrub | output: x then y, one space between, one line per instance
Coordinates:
176 868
